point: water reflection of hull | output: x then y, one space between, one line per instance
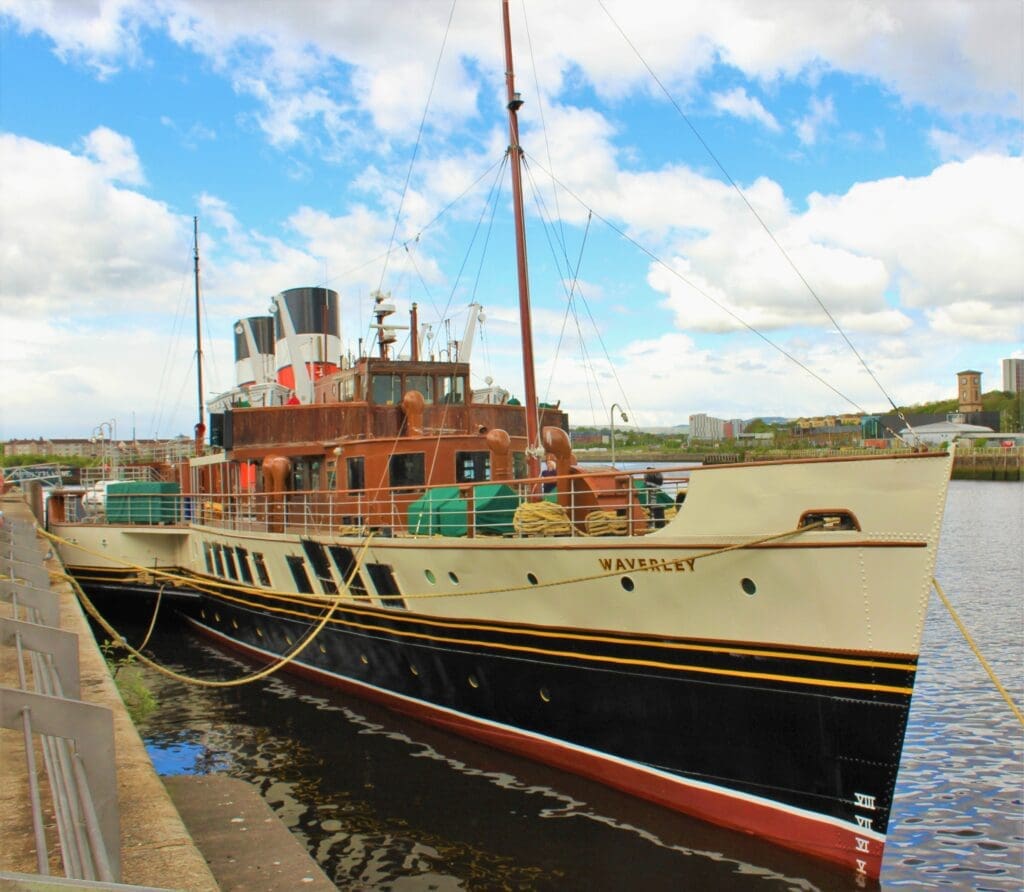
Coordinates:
677 725
378 797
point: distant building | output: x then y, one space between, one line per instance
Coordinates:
1013 375
705 427
945 432
969 390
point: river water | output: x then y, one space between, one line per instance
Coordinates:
383 802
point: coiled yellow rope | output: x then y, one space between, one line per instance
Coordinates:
977 652
541 519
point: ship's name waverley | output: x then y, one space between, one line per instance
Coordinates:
656 565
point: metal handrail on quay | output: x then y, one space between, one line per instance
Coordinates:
76 738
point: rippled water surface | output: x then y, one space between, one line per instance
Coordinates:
383 802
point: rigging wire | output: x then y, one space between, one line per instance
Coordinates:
574 275
419 138
761 221
674 272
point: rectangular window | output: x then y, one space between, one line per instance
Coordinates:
453 390
356 473
384 581
229 562
472 467
305 474
321 566
208 556
386 390
423 383
346 564
519 467
218 559
243 564
407 470
298 567
261 569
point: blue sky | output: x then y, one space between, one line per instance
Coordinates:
879 143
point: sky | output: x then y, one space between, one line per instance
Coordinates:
749 208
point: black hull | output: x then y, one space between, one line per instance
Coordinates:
801 747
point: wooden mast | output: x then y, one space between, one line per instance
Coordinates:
525 324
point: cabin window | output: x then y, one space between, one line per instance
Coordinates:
471 467
356 473
423 384
407 470
298 567
208 555
229 562
386 389
243 564
453 390
348 569
261 569
218 559
305 474
347 389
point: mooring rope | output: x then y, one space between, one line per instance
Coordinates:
977 652
202 682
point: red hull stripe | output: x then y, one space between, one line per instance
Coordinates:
820 836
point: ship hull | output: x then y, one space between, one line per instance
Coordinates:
791 745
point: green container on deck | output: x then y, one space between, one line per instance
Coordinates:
425 517
444 511
494 508
142 502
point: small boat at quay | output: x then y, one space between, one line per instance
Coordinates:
745 654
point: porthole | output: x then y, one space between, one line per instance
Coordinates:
363 660
627 583
453 578
545 695
414 670
748 585
430 577
473 683
202 613
530 578
216 617
259 633
288 640
234 624
323 649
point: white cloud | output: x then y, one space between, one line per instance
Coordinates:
820 114
115 156
948 237
737 102
958 56
106 247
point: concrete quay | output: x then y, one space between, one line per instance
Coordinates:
191 833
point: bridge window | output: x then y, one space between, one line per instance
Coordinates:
453 390
422 383
386 390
